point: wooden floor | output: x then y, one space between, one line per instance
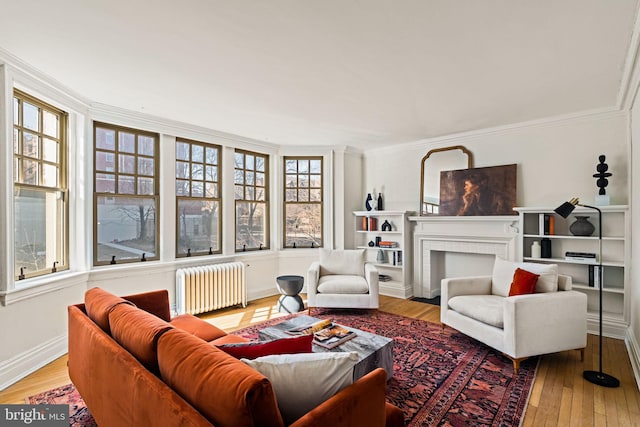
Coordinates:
560 397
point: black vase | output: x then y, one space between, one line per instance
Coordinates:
367 203
582 226
379 201
545 250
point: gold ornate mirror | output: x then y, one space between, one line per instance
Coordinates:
436 161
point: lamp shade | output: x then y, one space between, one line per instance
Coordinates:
566 208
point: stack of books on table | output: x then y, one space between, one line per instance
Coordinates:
585 257
325 333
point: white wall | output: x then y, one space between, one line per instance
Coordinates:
633 337
556 161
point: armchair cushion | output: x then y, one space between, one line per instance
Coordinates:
503 272
347 262
524 282
342 284
488 309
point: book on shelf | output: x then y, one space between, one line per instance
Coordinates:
397 257
547 224
365 223
585 257
373 223
384 277
388 244
594 276
325 333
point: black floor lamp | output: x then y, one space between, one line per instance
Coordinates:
596 377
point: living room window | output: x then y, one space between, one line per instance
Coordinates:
198 199
125 195
303 205
40 187
251 178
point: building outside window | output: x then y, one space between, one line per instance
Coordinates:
40 187
303 205
198 199
251 178
126 196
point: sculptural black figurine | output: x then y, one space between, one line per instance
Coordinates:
602 175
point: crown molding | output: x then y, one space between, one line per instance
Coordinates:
631 73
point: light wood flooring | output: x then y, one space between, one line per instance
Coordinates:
560 397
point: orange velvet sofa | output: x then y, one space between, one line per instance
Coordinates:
136 366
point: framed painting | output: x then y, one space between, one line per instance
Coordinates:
478 191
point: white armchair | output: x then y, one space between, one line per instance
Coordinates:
342 279
552 319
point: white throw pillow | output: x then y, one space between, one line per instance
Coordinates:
503 276
335 261
303 381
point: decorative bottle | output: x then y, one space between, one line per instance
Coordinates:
367 202
379 201
536 250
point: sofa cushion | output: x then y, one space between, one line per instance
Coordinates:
137 331
349 262
255 349
487 309
503 272
198 327
524 282
99 304
303 381
155 302
226 391
229 339
342 284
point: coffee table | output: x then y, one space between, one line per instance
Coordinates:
374 351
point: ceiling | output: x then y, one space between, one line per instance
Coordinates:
363 73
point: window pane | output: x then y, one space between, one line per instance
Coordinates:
145 186
303 181
249 193
261 194
238 192
315 195
126 142
197 172
197 153
197 189
30 144
238 177
260 164
126 184
16 141
303 225
303 166
39 230
315 181
49 150
49 175
126 164
30 116
30 173
198 226
212 156
145 166
16 111
145 145
291 196
50 124
239 160
105 183
126 228
183 188
260 179
251 225
211 189
291 181
183 170
291 166
315 166
211 173
182 151
249 159
105 139
250 176
104 161
303 195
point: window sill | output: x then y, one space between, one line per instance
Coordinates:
30 288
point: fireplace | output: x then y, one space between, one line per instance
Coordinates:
459 246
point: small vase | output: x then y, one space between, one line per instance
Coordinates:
582 226
381 258
536 250
367 202
386 226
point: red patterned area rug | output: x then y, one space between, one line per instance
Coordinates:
441 379
438 380
79 415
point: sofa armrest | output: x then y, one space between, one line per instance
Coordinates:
313 276
449 288
360 404
561 315
371 276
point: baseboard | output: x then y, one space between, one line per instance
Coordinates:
394 291
610 328
634 355
23 364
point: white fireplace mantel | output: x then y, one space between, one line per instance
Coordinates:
471 235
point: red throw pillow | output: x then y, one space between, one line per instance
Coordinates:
254 349
524 282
